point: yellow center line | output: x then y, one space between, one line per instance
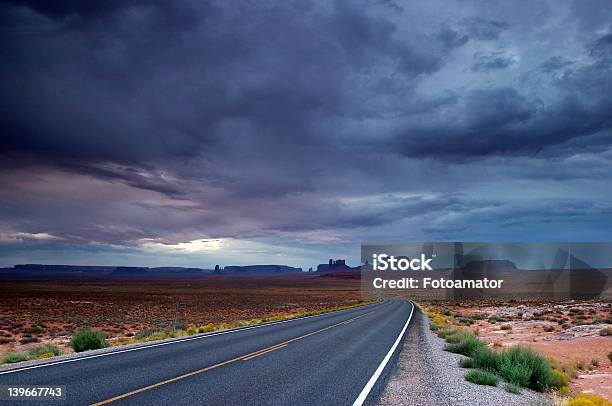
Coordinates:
278 347
245 357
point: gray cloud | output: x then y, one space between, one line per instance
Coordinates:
496 60
483 29
310 122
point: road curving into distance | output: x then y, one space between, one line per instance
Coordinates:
339 358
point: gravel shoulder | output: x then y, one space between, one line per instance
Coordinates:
425 374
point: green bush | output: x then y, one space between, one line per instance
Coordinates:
467 363
87 339
15 357
485 358
518 373
519 362
467 345
481 377
43 350
454 338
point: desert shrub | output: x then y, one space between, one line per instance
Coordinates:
610 356
506 327
87 339
207 328
191 330
45 350
595 362
178 333
443 333
606 331
148 332
495 318
571 370
456 337
15 357
512 388
45 355
160 335
480 377
558 379
526 362
518 373
485 359
35 329
438 320
587 399
28 340
548 328
466 346
467 363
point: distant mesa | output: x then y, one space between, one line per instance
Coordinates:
130 270
338 265
255 270
40 270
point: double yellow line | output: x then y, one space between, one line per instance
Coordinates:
245 357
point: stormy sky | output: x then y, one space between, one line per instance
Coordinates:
191 133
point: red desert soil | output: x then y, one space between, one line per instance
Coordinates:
569 333
49 311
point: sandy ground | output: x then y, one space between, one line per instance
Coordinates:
36 312
567 333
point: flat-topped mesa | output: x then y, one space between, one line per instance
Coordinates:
256 270
338 265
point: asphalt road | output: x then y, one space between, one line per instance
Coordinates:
321 360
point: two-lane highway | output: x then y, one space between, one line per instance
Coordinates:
338 358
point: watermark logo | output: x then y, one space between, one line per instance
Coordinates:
384 262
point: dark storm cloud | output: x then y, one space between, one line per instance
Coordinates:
319 120
476 28
555 63
502 121
602 49
497 60
483 29
451 38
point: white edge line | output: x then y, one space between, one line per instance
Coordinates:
366 390
199 337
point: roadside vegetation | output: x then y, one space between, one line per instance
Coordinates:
44 351
519 367
154 334
88 339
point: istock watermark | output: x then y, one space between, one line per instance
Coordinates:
454 270
384 262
